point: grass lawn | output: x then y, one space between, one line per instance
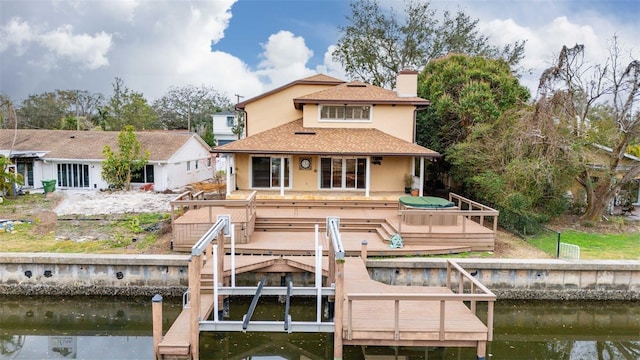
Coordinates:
113 234
593 245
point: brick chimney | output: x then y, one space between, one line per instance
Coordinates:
407 83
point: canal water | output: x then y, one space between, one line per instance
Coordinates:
120 328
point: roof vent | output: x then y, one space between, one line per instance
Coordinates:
303 132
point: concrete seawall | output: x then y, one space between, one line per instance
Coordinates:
87 274
524 278
146 275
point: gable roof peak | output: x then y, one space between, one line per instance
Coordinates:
317 79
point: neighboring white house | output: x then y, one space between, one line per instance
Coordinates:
223 123
74 158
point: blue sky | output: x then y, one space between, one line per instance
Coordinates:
247 47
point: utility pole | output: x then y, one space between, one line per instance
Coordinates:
238 97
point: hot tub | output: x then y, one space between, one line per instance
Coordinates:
428 207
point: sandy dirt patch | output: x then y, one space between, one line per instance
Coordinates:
103 203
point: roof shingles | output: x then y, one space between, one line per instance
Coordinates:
88 145
358 92
292 138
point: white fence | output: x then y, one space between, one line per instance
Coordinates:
569 251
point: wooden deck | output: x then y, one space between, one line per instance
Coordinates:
176 342
286 226
417 321
283 233
406 315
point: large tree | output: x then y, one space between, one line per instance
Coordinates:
189 107
59 109
43 111
480 119
127 107
464 90
377 43
599 105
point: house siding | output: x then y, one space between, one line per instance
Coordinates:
277 109
393 120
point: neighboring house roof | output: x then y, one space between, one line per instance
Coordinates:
357 92
293 138
318 79
226 113
88 145
623 167
610 150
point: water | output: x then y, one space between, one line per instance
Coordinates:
117 328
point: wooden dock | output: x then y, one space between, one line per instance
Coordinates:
405 315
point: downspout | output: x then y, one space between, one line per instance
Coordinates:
415 125
246 121
415 120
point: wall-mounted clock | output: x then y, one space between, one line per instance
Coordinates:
305 163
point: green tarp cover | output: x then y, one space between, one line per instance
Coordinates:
428 202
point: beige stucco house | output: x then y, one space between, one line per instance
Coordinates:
324 134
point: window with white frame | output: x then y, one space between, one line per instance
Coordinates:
188 165
345 112
230 121
265 172
73 175
343 173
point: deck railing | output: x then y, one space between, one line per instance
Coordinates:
188 201
468 210
477 293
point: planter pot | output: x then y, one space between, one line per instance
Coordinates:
414 192
407 190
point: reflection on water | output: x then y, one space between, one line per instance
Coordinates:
117 328
79 328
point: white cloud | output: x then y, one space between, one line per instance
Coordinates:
545 41
16 33
285 58
90 51
331 67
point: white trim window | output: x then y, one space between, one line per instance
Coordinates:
343 173
73 175
345 113
265 172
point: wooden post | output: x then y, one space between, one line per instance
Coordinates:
220 279
195 264
363 251
339 307
481 350
156 315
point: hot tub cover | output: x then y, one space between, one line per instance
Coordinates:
426 202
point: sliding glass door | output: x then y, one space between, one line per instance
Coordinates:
343 173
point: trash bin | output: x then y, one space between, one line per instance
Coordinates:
49 186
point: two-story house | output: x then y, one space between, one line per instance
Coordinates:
223 123
324 134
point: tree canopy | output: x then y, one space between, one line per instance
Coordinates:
189 107
127 107
464 90
598 105
378 43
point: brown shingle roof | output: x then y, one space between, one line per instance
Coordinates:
293 138
86 145
318 79
359 93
